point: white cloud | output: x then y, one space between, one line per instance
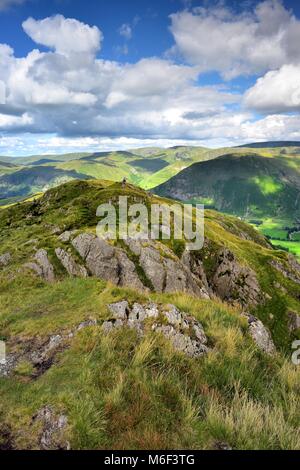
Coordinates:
278 91
64 35
88 103
235 44
5 4
126 31
74 94
7 122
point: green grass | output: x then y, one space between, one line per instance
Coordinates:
291 246
120 391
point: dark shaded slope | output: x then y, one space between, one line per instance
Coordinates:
243 185
28 180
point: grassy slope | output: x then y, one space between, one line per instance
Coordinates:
120 392
260 184
39 173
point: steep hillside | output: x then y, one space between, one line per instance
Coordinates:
245 185
261 188
143 344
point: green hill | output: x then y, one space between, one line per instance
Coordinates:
86 371
247 185
146 168
261 188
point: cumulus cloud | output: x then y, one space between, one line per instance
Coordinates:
277 92
234 44
88 102
71 92
64 35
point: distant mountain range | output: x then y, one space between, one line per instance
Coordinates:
146 167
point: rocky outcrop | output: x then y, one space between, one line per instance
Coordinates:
233 282
42 266
39 353
184 332
70 264
107 262
290 270
260 334
65 236
5 259
164 270
53 429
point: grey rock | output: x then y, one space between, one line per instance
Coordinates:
65 236
98 255
151 310
53 428
183 343
108 326
260 335
127 272
177 322
151 263
5 259
106 262
42 267
138 312
165 271
86 324
119 310
235 283
173 316
294 321
70 265
289 270
7 365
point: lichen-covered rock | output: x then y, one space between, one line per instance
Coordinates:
65 236
69 263
164 270
5 259
42 266
119 310
152 265
127 272
107 262
260 334
52 436
98 256
235 283
185 333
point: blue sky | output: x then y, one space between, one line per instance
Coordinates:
123 74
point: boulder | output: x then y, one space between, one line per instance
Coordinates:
119 310
106 262
233 282
98 256
70 264
127 272
5 259
42 266
260 334
164 270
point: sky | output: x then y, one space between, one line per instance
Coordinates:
100 75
